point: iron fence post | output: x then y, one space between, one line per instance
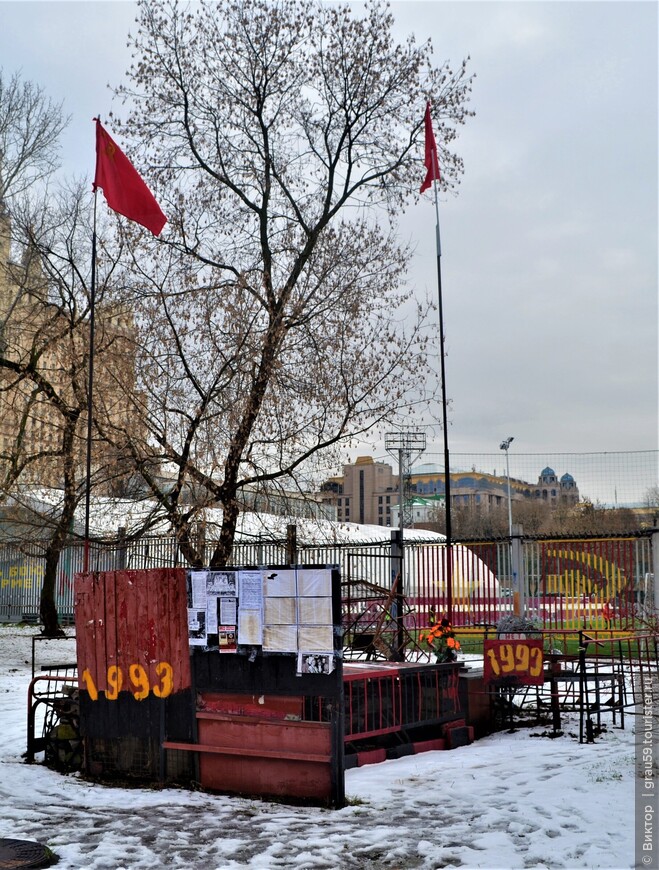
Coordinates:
654 544
519 580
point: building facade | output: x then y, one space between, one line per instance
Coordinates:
367 492
44 346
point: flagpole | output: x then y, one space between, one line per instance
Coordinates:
447 467
90 387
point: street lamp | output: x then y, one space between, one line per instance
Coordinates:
504 446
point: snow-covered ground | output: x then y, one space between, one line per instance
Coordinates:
506 802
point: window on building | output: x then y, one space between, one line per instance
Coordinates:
379 499
388 499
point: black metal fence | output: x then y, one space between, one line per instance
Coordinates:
593 584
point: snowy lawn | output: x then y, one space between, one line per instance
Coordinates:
506 802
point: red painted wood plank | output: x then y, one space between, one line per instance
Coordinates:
100 664
216 729
265 776
264 706
126 619
248 753
177 620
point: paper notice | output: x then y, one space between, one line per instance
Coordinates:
315 611
250 627
226 635
279 611
279 583
198 586
315 663
197 627
318 637
314 582
221 583
228 611
280 638
211 614
250 590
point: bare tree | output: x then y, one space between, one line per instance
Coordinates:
30 127
44 362
283 141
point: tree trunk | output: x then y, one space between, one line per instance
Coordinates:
191 553
47 606
222 553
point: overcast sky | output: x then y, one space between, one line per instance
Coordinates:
549 263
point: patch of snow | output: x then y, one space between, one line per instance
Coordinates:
507 802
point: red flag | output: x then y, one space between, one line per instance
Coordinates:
124 189
431 161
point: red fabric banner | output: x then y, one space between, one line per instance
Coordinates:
124 188
431 160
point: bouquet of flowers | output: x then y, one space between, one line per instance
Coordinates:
442 641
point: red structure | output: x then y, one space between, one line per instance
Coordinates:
249 722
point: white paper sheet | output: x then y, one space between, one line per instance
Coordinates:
250 590
279 611
317 637
228 611
250 627
197 627
314 582
211 614
279 583
198 587
315 611
280 638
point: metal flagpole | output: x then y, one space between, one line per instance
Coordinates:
447 467
90 387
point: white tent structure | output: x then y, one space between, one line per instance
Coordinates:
364 552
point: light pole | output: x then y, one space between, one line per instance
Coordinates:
504 446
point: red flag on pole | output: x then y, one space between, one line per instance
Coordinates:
124 189
431 160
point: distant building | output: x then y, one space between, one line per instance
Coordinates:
367 491
554 491
364 493
423 510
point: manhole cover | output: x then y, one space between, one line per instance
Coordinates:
23 853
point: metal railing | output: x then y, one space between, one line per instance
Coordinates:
566 583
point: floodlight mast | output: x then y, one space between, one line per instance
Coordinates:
406 447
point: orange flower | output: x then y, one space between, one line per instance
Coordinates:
452 643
